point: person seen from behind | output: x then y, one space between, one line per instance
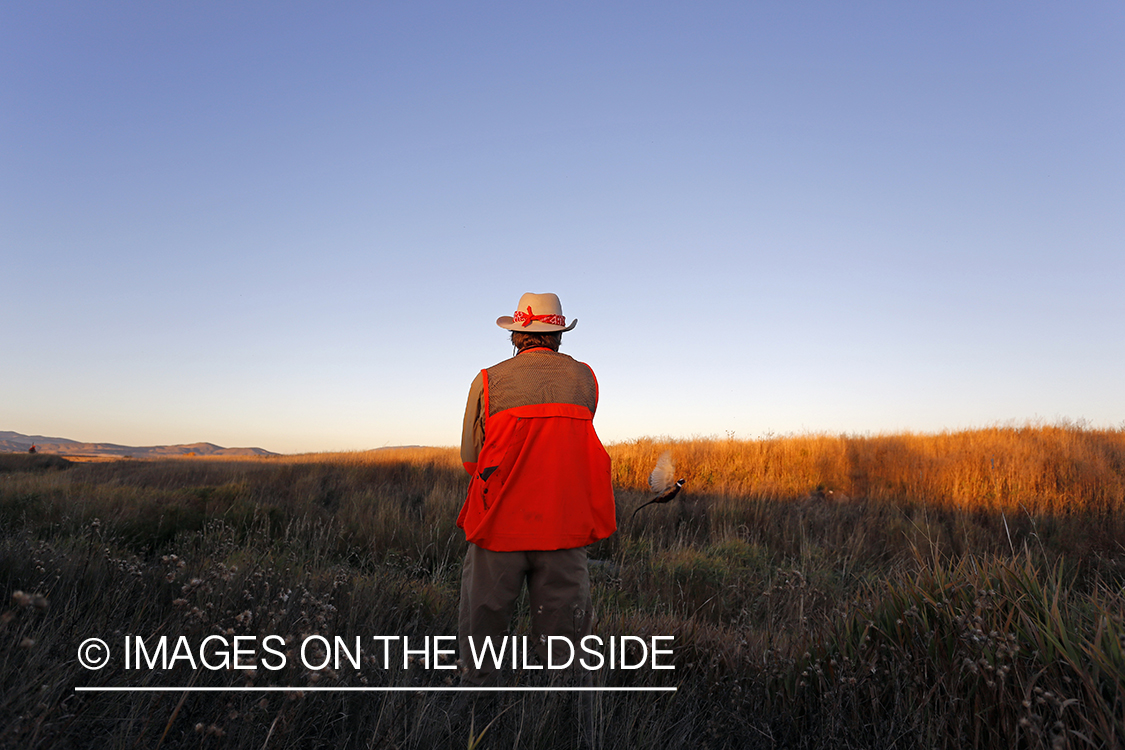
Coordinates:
541 490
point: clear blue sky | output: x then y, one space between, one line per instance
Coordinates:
293 225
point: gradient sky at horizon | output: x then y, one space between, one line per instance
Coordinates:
293 225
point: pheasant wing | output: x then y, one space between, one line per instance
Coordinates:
664 475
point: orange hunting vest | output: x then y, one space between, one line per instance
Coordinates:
542 481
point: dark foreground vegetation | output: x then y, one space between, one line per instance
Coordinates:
948 591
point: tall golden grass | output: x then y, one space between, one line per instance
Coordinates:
954 590
1033 469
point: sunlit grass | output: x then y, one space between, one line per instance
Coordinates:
953 590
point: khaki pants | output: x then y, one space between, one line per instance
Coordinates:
558 587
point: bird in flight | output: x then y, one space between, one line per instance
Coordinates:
660 481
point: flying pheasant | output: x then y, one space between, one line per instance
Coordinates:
660 481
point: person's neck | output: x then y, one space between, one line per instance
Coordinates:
535 349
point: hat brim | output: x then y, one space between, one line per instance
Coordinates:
536 326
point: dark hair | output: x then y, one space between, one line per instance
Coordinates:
523 340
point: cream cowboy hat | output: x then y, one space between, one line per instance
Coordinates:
537 313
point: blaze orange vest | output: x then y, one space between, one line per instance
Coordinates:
542 481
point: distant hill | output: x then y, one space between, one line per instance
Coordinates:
14 442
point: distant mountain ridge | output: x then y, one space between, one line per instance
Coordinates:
14 442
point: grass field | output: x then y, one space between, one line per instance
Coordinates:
953 590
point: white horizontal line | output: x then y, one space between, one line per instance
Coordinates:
277 689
